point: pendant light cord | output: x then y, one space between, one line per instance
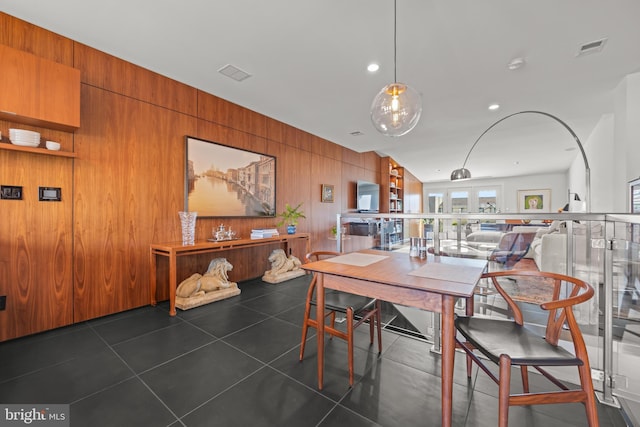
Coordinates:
395 40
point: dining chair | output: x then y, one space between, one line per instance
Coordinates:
357 310
512 343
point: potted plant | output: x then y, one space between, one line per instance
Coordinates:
290 217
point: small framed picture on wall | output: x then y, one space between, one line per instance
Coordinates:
533 201
327 193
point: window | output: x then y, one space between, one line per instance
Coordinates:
435 203
487 201
459 201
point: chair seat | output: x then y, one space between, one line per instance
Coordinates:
494 337
338 301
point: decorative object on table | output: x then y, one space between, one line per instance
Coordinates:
532 201
464 174
188 223
290 217
223 181
396 109
221 234
414 247
282 267
214 285
327 193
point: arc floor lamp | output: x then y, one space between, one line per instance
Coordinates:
463 173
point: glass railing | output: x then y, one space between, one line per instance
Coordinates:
602 249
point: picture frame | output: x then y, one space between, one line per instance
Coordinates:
327 193
534 201
225 181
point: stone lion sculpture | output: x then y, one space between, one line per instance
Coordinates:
214 279
281 264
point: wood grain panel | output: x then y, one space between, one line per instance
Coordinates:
293 181
322 216
352 157
231 115
128 190
350 175
35 245
38 91
412 193
275 130
325 148
108 72
30 38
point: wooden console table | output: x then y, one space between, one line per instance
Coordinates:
173 250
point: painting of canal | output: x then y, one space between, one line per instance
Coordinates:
223 181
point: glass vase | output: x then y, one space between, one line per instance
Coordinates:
188 223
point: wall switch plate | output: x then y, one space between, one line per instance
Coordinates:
49 194
11 192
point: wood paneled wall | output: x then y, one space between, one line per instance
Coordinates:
88 256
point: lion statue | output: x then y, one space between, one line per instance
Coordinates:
281 264
215 278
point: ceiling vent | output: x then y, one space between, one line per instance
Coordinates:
591 47
234 72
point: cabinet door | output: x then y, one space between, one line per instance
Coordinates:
37 91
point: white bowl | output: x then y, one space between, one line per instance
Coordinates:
24 143
52 145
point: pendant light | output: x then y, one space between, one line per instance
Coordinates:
396 109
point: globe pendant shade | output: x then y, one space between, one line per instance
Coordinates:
396 109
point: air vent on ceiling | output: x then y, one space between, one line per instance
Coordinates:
591 47
234 72
356 133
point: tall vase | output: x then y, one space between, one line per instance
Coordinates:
188 222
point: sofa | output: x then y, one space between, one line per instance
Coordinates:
549 250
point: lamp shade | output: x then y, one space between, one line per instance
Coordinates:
396 109
460 174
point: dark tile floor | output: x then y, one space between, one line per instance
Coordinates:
235 363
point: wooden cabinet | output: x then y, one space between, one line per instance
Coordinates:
38 91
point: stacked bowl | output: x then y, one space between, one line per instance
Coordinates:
23 137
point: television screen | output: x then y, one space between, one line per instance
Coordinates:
368 197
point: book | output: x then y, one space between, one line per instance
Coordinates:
262 233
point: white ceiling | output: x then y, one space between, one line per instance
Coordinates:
308 59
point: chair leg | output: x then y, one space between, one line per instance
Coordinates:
525 379
504 391
372 325
305 329
469 366
378 317
590 404
350 343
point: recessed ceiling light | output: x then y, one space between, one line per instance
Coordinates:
516 63
494 107
372 68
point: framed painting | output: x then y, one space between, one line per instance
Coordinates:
534 201
327 193
224 181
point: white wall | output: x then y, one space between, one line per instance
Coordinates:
557 183
599 149
613 151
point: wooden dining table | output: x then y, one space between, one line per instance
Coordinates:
432 284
